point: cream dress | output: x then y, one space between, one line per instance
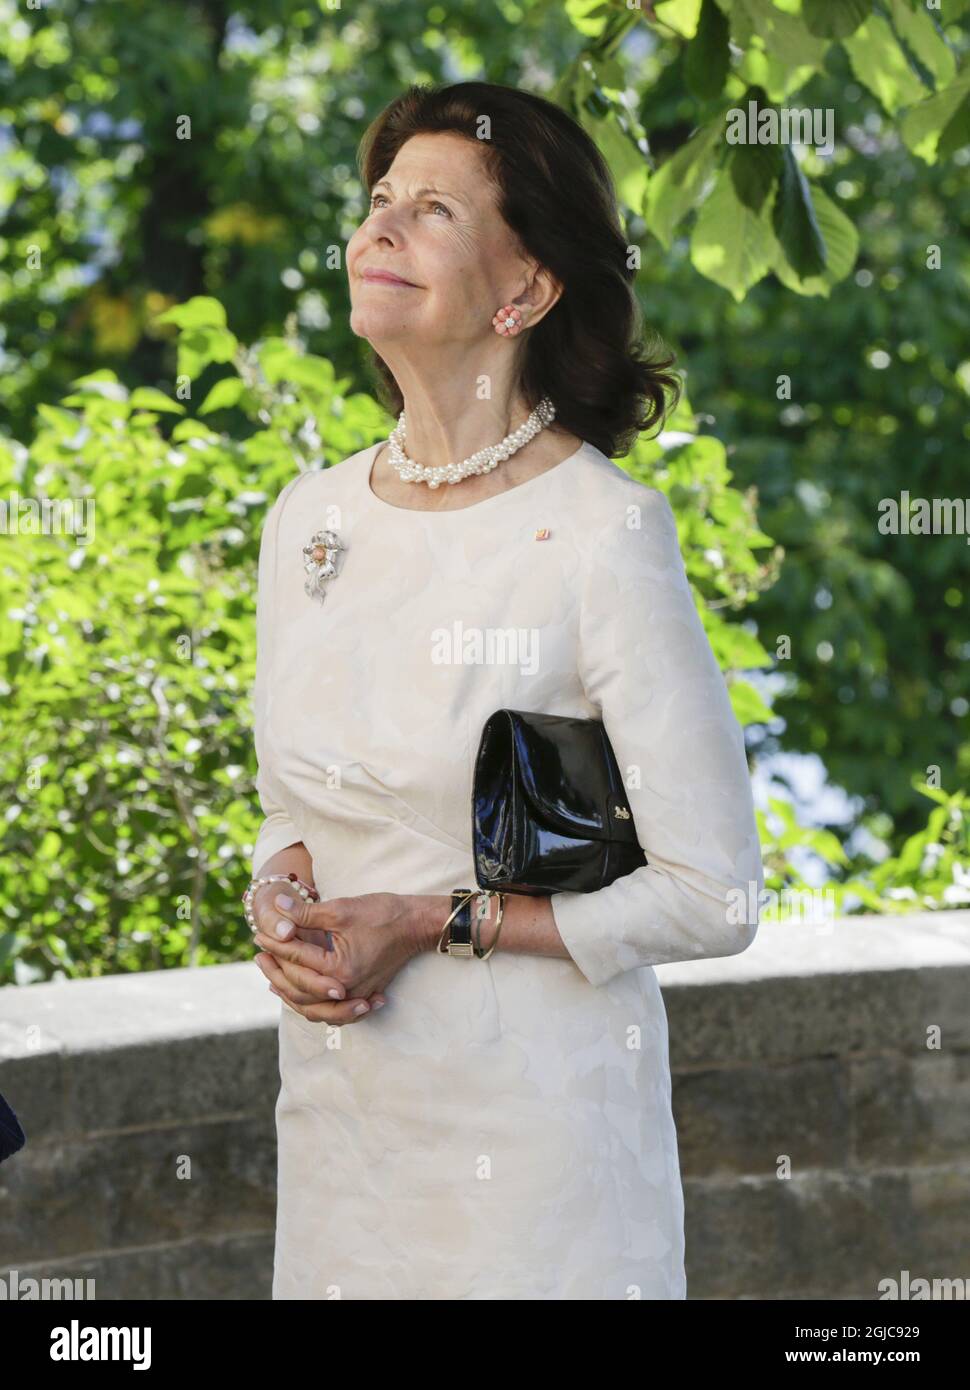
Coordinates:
499 1130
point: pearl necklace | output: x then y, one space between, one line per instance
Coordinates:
481 462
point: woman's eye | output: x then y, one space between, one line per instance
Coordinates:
438 207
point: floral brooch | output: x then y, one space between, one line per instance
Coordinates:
320 562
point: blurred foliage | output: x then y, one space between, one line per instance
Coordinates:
208 168
828 404
149 154
931 871
126 754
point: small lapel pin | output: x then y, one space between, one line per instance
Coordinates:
320 561
542 534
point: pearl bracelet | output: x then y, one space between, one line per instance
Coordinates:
309 895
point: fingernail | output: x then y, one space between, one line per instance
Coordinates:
360 1008
283 927
334 993
379 1003
284 902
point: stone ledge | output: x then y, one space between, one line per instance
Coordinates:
786 964
865 985
812 1043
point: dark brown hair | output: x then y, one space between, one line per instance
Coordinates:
555 192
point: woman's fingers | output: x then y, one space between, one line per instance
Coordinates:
305 987
296 954
319 918
347 1011
294 994
303 966
277 908
312 952
377 1000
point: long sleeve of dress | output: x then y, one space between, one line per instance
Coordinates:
277 830
646 661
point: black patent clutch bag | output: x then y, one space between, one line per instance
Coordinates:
549 811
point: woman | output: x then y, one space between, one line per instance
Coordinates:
500 1126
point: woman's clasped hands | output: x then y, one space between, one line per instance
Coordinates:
331 961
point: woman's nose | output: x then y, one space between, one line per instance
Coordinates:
387 222
383 228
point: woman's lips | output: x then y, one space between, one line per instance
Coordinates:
385 277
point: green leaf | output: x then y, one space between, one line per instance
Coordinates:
147 398
730 244
934 793
930 53
199 312
748 706
956 133
834 20
588 16
754 171
780 52
64 424
708 56
793 218
49 846
682 16
679 183
940 124
784 811
224 394
609 73
737 649
826 845
841 247
276 357
881 65
102 383
628 165
198 347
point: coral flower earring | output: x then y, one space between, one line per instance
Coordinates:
507 321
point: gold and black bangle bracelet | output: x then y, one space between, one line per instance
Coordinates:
484 894
491 893
456 934
461 934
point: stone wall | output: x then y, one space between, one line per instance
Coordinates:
824 1145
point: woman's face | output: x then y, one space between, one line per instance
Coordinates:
435 224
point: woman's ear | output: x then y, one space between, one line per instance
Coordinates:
542 294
